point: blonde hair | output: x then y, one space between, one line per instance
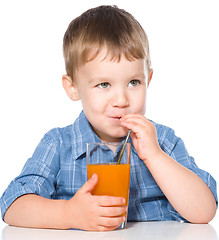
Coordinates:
104 26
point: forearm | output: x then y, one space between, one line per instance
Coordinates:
186 192
37 212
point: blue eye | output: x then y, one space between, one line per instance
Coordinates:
134 83
103 85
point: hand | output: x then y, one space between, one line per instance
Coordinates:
144 135
95 213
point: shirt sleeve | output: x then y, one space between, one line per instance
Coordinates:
38 175
175 147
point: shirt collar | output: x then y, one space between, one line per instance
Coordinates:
83 133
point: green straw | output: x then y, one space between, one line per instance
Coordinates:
123 147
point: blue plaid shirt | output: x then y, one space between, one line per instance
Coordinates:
57 170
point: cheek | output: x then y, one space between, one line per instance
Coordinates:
141 108
93 103
139 103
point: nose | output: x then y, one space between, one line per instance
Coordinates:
120 99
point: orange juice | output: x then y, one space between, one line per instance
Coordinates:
113 179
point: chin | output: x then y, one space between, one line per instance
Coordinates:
119 135
113 135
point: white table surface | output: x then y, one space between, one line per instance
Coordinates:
134 231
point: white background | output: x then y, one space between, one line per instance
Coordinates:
183 94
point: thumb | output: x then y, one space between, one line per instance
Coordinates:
90 184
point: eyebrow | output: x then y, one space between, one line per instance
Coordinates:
97 80
105 79
138 75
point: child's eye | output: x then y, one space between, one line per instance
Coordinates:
103 85
134 83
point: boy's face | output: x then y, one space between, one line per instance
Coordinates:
109 90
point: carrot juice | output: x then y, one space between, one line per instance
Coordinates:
113 179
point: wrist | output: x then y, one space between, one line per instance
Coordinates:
155 156
70 214
65 222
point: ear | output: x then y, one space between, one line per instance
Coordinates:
70 88
150 76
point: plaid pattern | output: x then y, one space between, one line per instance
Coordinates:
57 170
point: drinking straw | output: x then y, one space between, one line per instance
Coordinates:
123 147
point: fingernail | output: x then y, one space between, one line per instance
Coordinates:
94 176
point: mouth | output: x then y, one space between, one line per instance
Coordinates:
116 118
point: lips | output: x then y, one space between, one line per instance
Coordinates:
116 118
115 115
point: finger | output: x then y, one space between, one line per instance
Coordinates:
90 184
106 228
107 201
134 116
135 128
137 119
111 221
137 124
113 211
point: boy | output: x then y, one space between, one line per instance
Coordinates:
108 68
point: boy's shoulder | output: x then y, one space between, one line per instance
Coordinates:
162 129
58 135
166 136
77 132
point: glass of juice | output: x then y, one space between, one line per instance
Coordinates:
113 176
